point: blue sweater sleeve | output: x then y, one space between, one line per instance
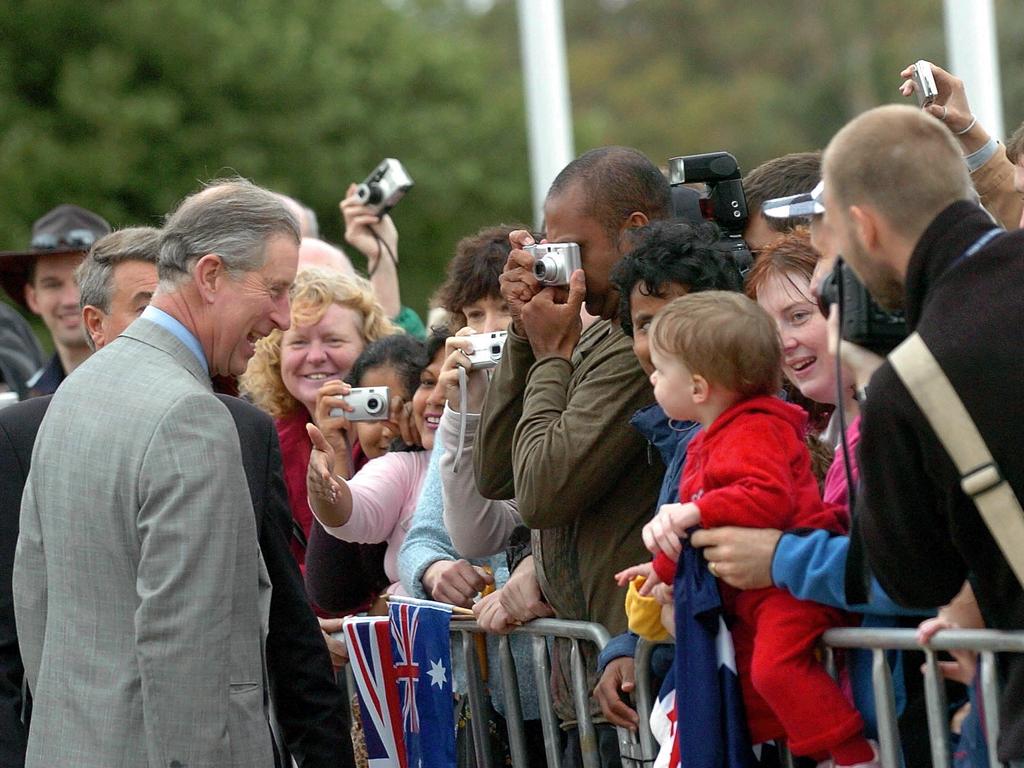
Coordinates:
812 566
618 646
427 540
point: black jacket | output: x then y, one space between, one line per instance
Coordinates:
922 536
308 704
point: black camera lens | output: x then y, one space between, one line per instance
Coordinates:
373 404
496 349
369 193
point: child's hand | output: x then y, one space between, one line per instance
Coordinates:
644 570
664 532
663 594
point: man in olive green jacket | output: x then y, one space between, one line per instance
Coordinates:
555 429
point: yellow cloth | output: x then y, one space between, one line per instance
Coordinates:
644 613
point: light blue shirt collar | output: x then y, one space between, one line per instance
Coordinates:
183 334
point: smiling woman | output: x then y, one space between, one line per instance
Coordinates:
333 317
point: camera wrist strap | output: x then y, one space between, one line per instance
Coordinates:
980 477
463 408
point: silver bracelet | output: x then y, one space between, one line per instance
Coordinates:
965 130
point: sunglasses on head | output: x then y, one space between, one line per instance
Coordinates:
76 238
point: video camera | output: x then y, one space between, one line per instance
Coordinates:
725 203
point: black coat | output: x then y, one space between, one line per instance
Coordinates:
309 706
922 536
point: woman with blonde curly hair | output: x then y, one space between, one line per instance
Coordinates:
294 373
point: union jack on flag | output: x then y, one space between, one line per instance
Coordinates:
405 620
369 647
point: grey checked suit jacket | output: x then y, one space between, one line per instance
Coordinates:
140 596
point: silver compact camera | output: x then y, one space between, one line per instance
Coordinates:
486 350
554 263
368 404
384 187
924 83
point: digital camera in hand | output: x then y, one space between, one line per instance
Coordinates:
725 202
554 263
368 404
924 84
384 187
486 350
864 323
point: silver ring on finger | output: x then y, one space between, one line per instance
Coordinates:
713 568
943 118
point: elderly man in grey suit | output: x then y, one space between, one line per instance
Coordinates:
140 596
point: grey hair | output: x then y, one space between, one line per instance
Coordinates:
95 275
232 218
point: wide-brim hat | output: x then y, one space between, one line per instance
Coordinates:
65 229
804 204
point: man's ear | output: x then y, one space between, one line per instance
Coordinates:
30 298
209 274
701 389
865 226
636 219
93 319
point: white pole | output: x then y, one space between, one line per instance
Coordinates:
546 85
972 51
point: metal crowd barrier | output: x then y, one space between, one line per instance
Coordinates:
986 642
540 629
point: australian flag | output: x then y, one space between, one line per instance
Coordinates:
421 649
711 726
369 648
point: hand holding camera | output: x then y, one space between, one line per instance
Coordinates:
473 352
553 324
944 97
518 283
330 414
366 230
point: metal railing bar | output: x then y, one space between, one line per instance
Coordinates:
935 705
513 705
548 722
885 706
475 686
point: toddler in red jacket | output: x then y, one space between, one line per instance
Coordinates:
718 361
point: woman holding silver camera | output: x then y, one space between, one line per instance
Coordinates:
376 504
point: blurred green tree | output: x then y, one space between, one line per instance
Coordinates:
124 106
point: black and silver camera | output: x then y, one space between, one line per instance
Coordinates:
486 351
554 263
924 84
384 187
725 203
864 322
368 404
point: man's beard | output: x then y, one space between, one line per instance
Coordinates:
881 280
